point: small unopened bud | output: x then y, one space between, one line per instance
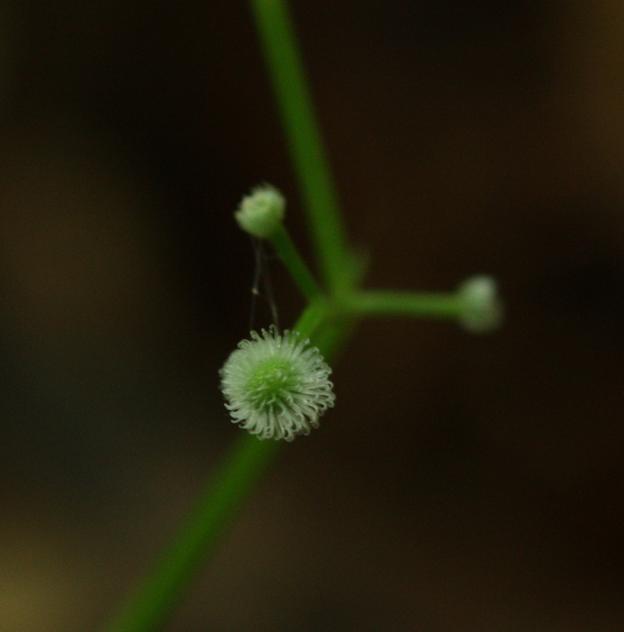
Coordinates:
261 212
481 307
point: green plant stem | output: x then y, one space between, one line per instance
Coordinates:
288 253
312 318
154 602
440 305
233 481
283 59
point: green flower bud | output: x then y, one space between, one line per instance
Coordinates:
261 212
481 307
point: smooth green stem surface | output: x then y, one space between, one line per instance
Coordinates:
279 46
153 604
311 319
389 303
288 253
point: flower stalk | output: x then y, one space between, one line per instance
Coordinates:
307 151
328 319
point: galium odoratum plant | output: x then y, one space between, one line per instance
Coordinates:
276 384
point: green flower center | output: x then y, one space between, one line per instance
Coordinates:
272 381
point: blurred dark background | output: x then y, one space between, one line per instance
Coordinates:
462 483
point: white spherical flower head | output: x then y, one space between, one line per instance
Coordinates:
482 310
261 212
276 385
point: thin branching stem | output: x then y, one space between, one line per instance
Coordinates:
439 305
327 321
279 45
295 264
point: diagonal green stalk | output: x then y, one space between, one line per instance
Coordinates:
295 264
313 318
440 305
153 604
307 152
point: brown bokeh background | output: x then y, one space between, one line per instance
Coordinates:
462 483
